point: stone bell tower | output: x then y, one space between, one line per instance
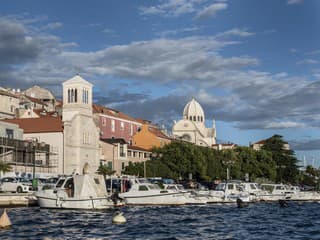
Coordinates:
81 136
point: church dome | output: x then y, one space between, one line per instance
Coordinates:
193 111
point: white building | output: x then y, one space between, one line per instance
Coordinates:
81 136
192 127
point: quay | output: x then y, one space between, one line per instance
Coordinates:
17 199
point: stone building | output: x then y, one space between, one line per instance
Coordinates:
192 127
9 102
81 136
150 136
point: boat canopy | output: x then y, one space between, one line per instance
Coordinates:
89 185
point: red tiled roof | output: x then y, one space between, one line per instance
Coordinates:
36 100
260 142
156 131
111 112
38 125
137 148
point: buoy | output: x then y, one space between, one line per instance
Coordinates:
4 220
119 218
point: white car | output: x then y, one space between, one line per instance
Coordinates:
13 184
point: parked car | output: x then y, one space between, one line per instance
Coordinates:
15 184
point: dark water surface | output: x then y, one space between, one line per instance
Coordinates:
257 221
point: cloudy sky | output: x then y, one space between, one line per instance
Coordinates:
254 66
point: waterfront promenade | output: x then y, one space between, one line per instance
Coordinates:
17 199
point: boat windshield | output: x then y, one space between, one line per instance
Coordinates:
60 182
154 186
221 187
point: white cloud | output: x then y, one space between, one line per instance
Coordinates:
281 125
235 32
308 61
294 1
170 8
53 25
211 11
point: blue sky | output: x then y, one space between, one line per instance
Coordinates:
253 65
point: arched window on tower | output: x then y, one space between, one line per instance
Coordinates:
194 118
75 95
69 96
190 118
72 95
201 119
198 118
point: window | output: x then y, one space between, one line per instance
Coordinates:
143 188
122 165
134 154
194 118
131 130
129 153
75 95
122 125
198 118
104 122
9 133
122 153
113 125
110 165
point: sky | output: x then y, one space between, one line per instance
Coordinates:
254 66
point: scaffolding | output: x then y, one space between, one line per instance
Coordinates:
28 156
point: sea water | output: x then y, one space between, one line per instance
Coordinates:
257 221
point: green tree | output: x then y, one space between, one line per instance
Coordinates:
4 167
105 170
285 160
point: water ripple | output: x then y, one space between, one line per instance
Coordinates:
257 221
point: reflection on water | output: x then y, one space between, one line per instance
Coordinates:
258 221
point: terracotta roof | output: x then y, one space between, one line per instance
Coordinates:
260 142
138 148
38 125
111 112
113 140
156 131
36 100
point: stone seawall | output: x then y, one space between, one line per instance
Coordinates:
17 199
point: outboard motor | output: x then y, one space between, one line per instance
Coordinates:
115 197
241 203
283 203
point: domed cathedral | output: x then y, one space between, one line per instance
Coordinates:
81 136
192 127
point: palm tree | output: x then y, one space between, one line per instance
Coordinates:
105 170
4 167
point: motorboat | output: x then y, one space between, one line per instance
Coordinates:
298 195
143 192
76 192
275 192
191 195
228 192
254 191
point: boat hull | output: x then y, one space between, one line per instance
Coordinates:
154 199
58 203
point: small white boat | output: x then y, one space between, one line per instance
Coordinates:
275 192
142 192
254 190
298 195
76 192
228 192
192 198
